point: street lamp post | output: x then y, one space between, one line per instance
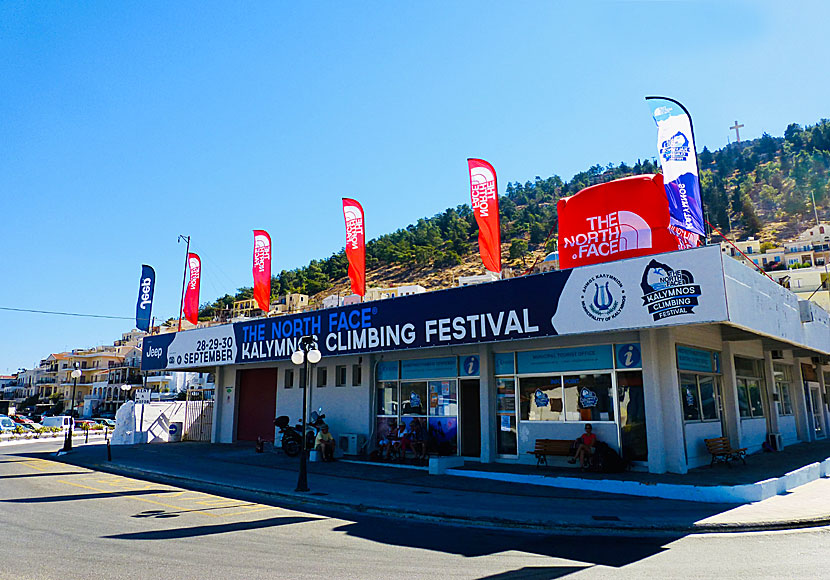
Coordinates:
67 443
306 355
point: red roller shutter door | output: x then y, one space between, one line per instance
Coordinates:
257 404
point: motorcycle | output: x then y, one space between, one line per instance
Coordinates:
314 425
292 442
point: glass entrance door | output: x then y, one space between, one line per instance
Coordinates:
815 409
632 415
506 438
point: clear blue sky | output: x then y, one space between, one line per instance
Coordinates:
125 124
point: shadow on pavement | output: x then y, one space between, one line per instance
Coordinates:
77 496
611 550
196 531
535 573
41 474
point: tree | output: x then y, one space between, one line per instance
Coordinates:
794 135
537 233
518 248
750 218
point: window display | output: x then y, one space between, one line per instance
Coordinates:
584 397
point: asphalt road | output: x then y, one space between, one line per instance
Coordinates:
59 521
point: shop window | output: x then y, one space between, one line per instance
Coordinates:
340 376
782 385
746 367
690 398
749 398
749 379
442 428
289 378
708 398
700 397
387 398
433 405
541 398
443 398
588 397
357 375
322 376
413 398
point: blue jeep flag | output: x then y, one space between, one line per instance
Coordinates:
144 306
676 145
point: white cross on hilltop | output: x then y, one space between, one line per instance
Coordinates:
737 132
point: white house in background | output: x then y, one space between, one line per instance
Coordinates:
393 292
478 279
332 301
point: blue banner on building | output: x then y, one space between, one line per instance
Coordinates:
511 310
144 306
581 358
694 359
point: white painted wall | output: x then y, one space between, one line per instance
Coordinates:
749 293
753 433
664 425
226 403
530 431
152 427
347 408
696 451
787 428
706 336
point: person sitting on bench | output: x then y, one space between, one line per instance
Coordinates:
587 446
324 443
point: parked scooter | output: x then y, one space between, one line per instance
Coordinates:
316 422
292 442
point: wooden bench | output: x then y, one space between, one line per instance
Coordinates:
722 451
545 447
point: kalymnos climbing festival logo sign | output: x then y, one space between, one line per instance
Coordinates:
668 292
676 148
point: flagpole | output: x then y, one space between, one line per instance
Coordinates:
184 276
697 163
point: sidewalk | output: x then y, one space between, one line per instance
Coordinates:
406 492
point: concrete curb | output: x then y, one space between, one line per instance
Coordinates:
746 493
294 500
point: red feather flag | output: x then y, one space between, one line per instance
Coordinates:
484 193
262 270
191 297
355 245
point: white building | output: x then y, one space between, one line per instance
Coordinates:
478 279
658 353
